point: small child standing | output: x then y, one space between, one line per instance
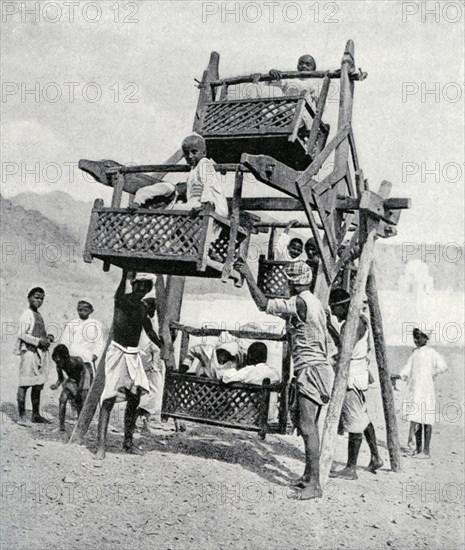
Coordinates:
419 405
32 347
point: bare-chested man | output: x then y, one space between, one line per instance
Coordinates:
125 378
306 324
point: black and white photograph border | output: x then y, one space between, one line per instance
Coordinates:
230 231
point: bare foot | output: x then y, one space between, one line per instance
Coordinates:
132 450
100 454
375 465
309 492
349 473
37 419
300 483
24 421
145 429
422 456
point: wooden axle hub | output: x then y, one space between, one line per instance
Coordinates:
387 210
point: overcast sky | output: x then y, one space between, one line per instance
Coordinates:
116 80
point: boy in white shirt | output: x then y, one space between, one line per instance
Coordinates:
84 336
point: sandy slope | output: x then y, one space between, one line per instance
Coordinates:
214 488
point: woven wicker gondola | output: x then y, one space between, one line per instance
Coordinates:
266 126
240 406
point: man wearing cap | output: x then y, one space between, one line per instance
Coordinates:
214 361
419 404
354 415
125 378
306 324
84 338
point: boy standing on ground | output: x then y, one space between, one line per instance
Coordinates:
354 414
306 324
124 373
32 347
84 336
419 406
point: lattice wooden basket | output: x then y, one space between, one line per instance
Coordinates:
237 405
161 241
270 126
271 279
240 406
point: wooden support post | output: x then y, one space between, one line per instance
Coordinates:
206 93
348 341
235 213
117 190
387 392
92 400
174 296
272 243
93 397
87 256
345 105
284 395
318 115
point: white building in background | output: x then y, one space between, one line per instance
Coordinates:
418 304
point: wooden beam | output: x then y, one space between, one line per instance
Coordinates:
387 392
206 93
346 96
323 249
348 341
235 214
162 168
174 297
374 203
307 175
318 115
118 185
247 334
134 180
272 172
285 74
276 204
351 203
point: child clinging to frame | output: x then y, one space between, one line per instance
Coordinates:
419 404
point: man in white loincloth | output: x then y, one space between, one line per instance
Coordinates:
125 378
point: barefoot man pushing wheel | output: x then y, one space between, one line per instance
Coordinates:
306 324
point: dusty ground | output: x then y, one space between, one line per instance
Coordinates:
215 488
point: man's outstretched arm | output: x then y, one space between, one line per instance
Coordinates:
152 335
257 295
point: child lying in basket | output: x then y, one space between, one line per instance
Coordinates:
212 361
255 369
